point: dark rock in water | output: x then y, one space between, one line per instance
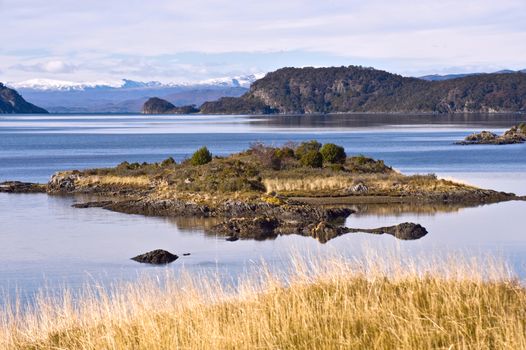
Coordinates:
21 187
404 231
156 257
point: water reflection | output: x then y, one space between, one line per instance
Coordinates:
341 121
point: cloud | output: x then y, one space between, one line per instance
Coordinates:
54 67
135 37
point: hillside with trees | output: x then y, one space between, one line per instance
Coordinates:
359 89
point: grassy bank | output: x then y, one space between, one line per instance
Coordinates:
381 303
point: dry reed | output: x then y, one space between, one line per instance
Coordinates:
378 302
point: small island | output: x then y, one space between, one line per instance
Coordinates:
155 105
517 134
263 192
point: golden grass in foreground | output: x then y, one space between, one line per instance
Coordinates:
335 304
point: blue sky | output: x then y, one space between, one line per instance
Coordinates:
201 39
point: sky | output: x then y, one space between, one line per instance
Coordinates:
176 41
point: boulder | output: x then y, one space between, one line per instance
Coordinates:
63 182
156 257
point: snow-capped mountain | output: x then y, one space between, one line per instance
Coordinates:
62 85
125 95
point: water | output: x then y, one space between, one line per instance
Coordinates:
45 242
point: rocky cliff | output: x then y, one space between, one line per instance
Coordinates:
12 102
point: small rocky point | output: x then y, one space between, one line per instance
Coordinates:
21 187
516 134
156 257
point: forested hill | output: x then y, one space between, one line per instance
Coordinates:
12 102
359 89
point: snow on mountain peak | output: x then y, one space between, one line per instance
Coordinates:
63 85
52 84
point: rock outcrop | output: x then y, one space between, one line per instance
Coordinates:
12 102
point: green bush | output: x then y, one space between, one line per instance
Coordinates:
333 154
201 156
167 162
285 152
312 158
306 147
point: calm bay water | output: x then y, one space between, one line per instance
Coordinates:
46 242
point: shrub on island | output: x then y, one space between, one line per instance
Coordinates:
167 162
312 159
201 156
306 147
333 154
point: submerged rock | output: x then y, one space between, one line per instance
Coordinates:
156 257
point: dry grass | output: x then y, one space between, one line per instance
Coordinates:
393 184
111 180
333 183
381 303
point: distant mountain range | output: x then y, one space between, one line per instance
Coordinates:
360 89
125 96
12 102
287 90
438 77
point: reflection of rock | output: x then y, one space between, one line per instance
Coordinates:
95 204
302 220
325 231
21 187
156 257
260 227
405 231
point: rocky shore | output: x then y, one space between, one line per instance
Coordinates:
22 187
